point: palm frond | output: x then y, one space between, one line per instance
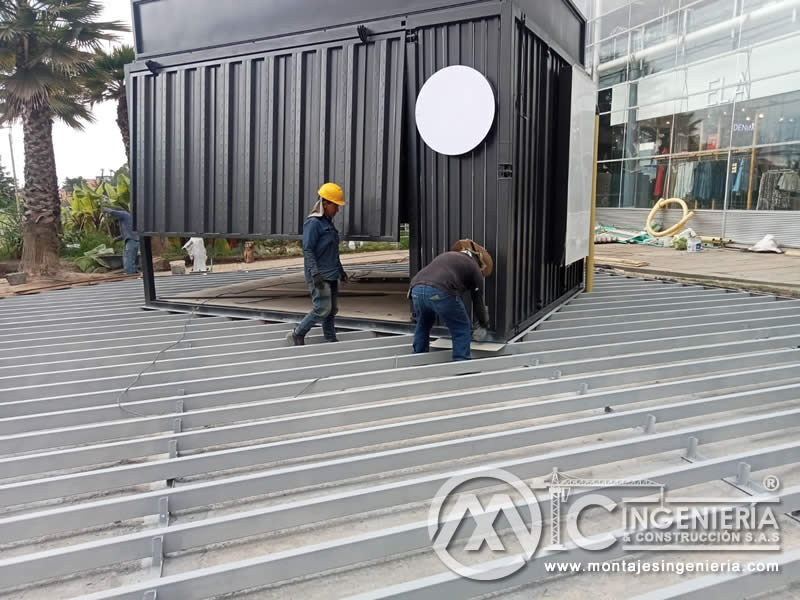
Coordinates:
73 113
105 79
8 59
90 35
75 11
63 57
30 84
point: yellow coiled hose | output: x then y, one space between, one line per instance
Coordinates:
687 214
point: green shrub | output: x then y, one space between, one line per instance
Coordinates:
10 236
91 260
86 241
221 248
679 243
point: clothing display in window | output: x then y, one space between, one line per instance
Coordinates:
659 189
777 189
702 181
741 181
684 180
709 182
661 172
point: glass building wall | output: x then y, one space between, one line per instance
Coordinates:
699 100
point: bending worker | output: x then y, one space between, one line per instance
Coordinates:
129 237
323 269
436 292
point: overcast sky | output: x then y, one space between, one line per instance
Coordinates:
81 153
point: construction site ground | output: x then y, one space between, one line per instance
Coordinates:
725 267
160 455
67 279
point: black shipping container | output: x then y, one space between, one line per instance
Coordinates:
240 110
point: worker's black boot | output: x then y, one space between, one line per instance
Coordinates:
296 340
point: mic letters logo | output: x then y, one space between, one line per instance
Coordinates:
501 513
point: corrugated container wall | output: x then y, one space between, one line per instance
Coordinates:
455 197
238 147
233 139
542 84
509 193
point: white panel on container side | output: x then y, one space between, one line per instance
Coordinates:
581 157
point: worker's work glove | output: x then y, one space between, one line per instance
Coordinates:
343 277
319 280
483 317
479 334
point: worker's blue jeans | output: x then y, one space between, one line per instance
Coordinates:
129 256
431 302
326 305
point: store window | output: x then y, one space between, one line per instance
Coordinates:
766 20
611 136
773 182
613 64
613 99
647 137
608 184
644 12
771 120
613 23
655 46
607 6
705 37
699 180
643 182
705 129
604 98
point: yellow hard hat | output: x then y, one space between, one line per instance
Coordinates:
332 193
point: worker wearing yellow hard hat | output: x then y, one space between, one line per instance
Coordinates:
322 266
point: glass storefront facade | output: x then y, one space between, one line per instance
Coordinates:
699 100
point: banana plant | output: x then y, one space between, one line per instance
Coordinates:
86 208
120 194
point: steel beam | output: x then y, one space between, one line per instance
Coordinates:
308 394
308 416
341 469
634 308
85 456
271 344
741 306
186 352
597 326
734 585
757 328
303 561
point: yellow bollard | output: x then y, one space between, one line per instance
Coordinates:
590 258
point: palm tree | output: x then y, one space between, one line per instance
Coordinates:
44 46
106 81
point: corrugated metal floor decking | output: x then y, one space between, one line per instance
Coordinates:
238 465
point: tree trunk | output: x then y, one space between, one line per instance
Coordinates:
42 220
122 122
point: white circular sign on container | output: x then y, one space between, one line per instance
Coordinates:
455 110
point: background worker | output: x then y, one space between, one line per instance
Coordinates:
323 269
129 237
436 292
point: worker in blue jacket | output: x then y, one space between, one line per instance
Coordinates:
129 237
323 269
